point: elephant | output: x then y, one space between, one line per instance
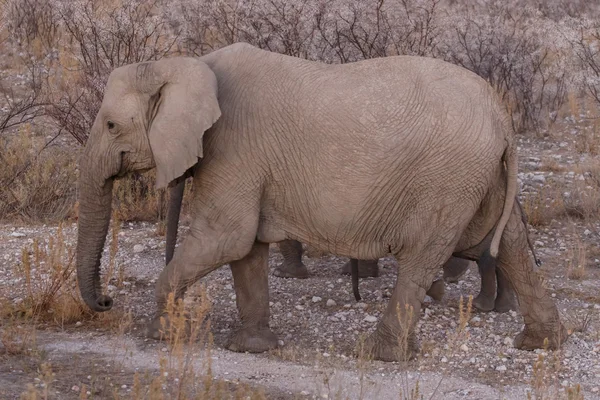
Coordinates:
406 155
495 294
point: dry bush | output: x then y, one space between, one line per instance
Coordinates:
136 199
583 200
544 206
36 185
50 294
577 261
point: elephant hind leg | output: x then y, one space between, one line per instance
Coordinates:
485 300
292 266
394 338
539 311
505 299
250 278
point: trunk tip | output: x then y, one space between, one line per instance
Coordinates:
102 303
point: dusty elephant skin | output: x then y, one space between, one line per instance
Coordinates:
495 294
404 155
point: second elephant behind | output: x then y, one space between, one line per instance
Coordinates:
496 293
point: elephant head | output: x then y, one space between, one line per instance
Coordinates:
154 114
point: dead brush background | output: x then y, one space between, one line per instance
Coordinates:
58 55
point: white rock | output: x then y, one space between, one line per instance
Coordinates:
17 234
464 348
538 243
501 368
370 318
587 232
316 299
360 305
508 341
138 248
539 179
299 307
331 303
444 360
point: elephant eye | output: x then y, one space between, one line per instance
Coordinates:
110 125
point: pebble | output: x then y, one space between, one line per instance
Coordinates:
138 248
331 303
316 299
17 234
464 348
370 318
501 368
508 341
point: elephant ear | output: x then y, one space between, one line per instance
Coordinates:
183 106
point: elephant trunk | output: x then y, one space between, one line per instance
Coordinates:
94 217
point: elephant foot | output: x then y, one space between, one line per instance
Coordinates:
159 331
506 303
533 337
387 348
366 269
484 303
436 291
297 271
255 340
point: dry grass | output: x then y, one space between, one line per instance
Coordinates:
35 185
544 206
577 261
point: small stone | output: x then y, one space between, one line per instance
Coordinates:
17 234
78 323
501 368
280 343
595 390
587 232
316 299
360 305
228 286
464 348
123 386
370 318
330 303
444 360
508 341
75 388
138 248
538 243
326 354
299 307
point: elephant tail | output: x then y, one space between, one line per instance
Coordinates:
511 161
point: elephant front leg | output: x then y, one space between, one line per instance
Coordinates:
292 266
539 311
250 278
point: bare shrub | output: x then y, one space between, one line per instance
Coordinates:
508 46
34 24
36 185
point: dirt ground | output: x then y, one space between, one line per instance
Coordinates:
319 322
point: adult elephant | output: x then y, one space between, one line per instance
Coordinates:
495 293
405 155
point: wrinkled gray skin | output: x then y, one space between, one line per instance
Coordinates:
495 293
404 155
